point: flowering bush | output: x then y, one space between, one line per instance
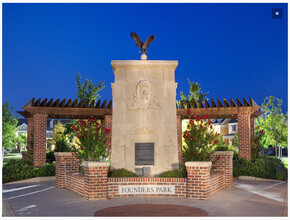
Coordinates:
257 142
93 140
200 138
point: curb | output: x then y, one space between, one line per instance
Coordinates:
6 208
257 179
35 179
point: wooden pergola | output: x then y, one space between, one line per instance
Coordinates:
37 111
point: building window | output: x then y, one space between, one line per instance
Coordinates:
51 124
234 127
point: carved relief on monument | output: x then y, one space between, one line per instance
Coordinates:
144 97
143 129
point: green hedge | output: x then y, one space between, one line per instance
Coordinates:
262 167
122 173
15 170
180 173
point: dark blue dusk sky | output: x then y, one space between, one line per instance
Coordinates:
232 50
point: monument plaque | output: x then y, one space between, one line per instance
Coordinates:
144 154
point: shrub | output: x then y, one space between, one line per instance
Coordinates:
18 170
262 167
122 173
15 170
50 156
93 140
48 169
180 173
62 145
200 138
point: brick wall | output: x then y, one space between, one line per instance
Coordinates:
65 163
95 184
179 183
96 180
244 135
217 181
75 182
198 179
30 128
224 162
39 148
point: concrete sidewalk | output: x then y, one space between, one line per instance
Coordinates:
245 198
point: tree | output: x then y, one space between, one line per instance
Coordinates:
195 94
21 141
88 90
59 138
274 123
9 127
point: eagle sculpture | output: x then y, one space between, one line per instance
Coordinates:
142 45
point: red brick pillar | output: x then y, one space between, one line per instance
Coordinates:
223 161
30 128
96 180
198 179
179 139
244 132
108 124
65 163
108 121
39 144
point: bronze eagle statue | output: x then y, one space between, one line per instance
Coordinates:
142 45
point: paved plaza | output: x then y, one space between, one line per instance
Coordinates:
244 198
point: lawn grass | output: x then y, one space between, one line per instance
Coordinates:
285 161
11 157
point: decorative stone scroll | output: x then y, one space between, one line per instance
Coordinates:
144 98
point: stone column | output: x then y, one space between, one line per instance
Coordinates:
179 139
223 161
65 163
244 132
39 148
198 179
96 180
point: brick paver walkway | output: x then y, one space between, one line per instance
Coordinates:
151 210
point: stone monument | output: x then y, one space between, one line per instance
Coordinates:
144 125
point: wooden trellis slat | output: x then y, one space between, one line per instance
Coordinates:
68 104
62 103
43 103
233 104
188 104
37 103
30 103
81 104
181 104
98 104
92 105
50 102
200 105
103 104
246 102
193 104
213 105
220 105
239 103
74 105
56 103
226 103
252 102
110 104
206 104
87 104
